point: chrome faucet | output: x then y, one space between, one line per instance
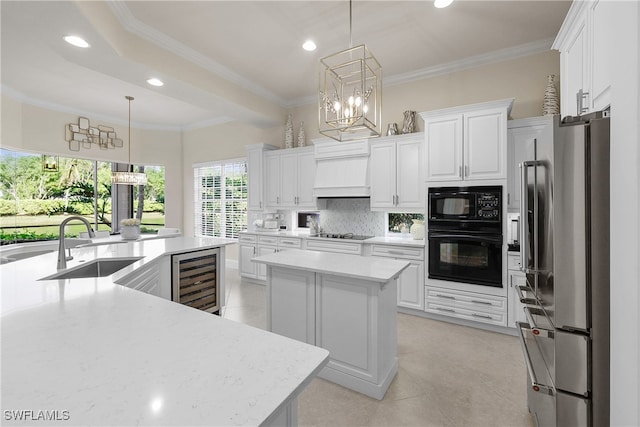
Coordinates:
62 258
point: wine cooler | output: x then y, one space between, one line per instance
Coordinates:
195 279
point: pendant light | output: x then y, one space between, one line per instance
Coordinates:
350 93
129 177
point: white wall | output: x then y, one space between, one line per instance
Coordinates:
33 129
625 220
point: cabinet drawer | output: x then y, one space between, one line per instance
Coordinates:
268 240
463 313
470 301
332 246
513 262
289 242
247 238
397 252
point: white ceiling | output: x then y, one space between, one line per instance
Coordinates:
241 60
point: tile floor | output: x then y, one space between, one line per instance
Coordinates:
449 375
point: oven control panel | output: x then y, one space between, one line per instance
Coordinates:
489 206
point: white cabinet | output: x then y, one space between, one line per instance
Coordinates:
255 178
522 137
291 299
247 250
328 245
145 279
289 178
466 305
411 280
396 173
253 245
585 41
467 143
515 312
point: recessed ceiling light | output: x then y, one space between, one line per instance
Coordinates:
309 45
155 82
76 41
442 3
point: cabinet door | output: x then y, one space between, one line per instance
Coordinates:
515 311
291 302
444 148
254 180
272 181
247 267
288 180
573 67
409 182
485 145
261 272
382 175
411 286
602 40
306 180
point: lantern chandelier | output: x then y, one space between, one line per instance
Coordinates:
350 93
129 177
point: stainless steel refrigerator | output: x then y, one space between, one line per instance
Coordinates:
565 255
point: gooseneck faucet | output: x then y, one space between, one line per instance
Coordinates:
62 258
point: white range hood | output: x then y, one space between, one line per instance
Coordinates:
342 169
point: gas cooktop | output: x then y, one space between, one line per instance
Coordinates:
349 236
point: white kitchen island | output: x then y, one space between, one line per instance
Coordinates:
87 351
343 303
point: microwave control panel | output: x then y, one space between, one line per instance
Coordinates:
489 206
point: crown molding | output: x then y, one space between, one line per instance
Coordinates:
134 26
568 28
500 103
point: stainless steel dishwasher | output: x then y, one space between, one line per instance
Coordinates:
196 279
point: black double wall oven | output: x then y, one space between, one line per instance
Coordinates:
465 234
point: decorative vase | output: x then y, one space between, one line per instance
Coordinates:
288 133
392 129
409 122
417 229
129 232
550 105
301 136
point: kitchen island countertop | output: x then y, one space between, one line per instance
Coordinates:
91 352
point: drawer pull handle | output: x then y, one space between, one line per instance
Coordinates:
445 296
450 310
484 316
481 302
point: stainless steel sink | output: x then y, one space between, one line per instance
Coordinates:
97 268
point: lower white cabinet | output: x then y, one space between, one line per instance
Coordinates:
247 250
145 279
516 278
411 281
466 305
292 298
253 245
325 245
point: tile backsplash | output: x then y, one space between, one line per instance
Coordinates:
351 216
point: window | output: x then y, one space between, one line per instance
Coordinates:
37 192
220 193
401 222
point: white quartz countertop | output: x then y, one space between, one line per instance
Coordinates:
102 354
354 266
389 240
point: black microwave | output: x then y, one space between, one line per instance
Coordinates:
481 204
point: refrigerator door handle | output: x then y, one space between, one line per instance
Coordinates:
535 385
524 216
535 329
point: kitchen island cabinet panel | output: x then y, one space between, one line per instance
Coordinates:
291 301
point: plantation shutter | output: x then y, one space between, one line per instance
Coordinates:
220 194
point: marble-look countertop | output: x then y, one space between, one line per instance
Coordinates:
102 354
389 240
355 266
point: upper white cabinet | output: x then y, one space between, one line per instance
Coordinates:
395 172
289 178
468 142
255 180
522 137
585 42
